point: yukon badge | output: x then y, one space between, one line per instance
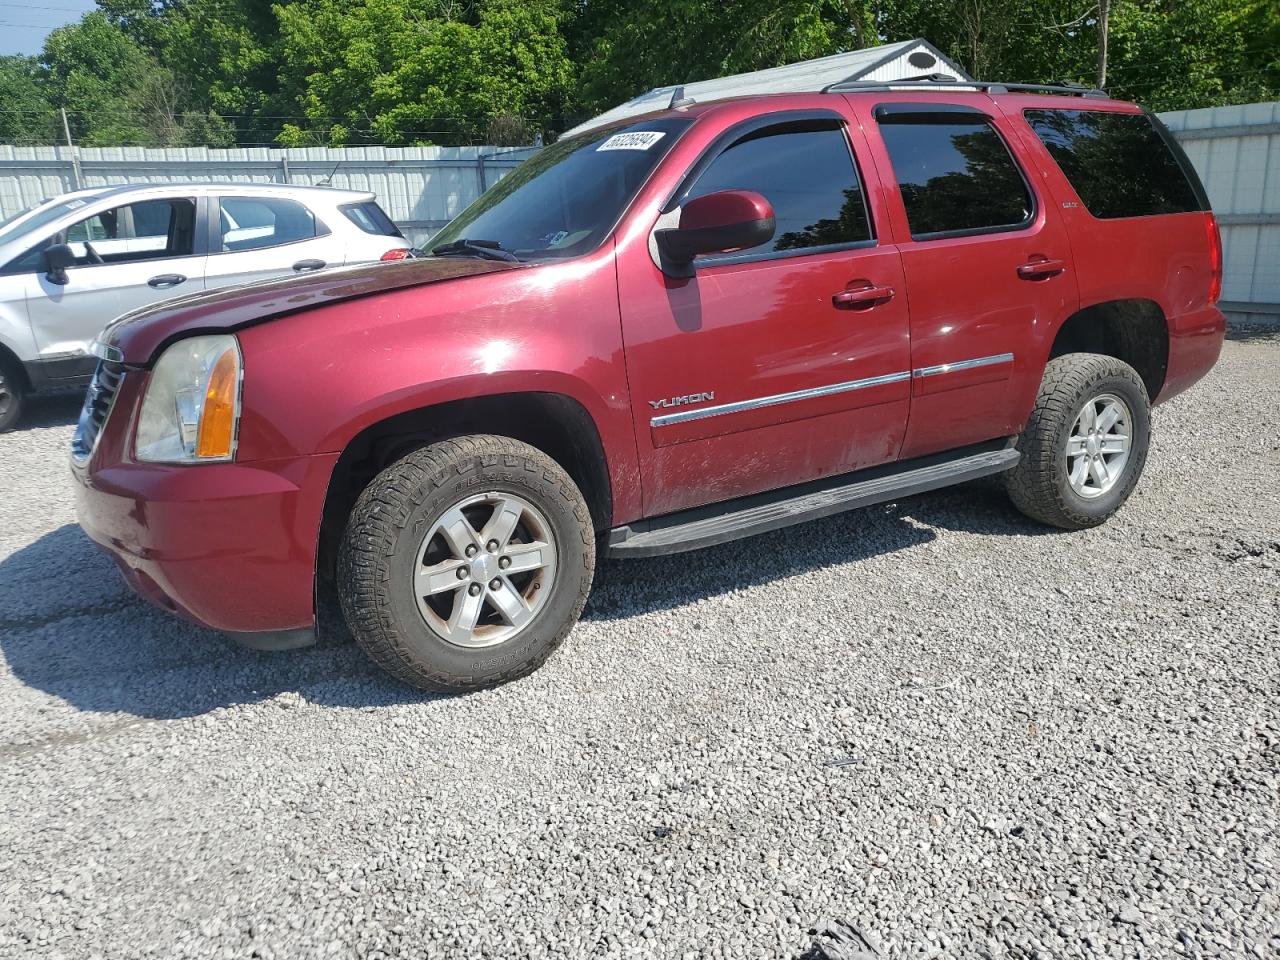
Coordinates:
682 401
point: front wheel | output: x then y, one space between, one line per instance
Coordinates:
1085 443
12 395
467 563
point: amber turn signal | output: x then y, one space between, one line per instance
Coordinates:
218 421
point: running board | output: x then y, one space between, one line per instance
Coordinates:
722 522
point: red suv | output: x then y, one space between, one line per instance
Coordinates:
686 327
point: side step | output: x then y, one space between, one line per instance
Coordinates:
722 522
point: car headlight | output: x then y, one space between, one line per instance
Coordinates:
191 413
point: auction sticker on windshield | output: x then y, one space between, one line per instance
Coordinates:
638 140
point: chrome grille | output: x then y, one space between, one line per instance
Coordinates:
98 401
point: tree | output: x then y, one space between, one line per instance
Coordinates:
412 71
117 93
28 116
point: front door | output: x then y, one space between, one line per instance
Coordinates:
126 257
987 262
757 372
261 237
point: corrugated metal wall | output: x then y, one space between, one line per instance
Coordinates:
421 188
1236 150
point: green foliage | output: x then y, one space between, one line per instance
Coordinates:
300 72
28 116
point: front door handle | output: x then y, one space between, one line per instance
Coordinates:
1041 268
861 298
166 280
302 266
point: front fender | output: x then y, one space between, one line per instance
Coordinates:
314 380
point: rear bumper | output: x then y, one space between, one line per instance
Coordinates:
230 546
1195 341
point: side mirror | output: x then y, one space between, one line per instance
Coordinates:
57 259
716 223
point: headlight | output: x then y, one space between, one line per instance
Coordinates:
191 412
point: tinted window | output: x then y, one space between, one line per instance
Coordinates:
956 175
1118 163
565 199
805 170
249 223
370 218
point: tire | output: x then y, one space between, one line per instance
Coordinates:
404 534
13 394
1048 483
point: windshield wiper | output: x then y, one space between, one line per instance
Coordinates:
486 249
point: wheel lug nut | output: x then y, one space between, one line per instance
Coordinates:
495 584
504 562
462 573
492 546
474 589
472 550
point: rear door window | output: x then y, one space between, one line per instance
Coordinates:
1117 163
251 223
806 171
955 173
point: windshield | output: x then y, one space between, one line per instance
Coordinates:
564 200
33 218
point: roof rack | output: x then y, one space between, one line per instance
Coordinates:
942 80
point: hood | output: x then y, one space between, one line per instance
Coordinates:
138 336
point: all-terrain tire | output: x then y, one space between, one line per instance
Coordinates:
382 546
13 393
1039 485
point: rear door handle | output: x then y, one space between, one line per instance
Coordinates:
1041 268
302 266
166 280
861 298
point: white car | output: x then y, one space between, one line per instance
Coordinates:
71 265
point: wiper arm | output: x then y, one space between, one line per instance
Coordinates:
486 249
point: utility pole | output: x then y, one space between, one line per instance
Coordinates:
77 175
1104 15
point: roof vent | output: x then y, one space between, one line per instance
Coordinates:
922 59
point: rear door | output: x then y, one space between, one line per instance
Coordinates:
987 262
754 373
126 257
261 237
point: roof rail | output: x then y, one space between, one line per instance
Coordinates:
939 80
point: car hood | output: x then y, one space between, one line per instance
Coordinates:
137 337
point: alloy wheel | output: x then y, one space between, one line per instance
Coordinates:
485 569
1099 444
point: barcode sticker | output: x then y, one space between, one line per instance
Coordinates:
639 140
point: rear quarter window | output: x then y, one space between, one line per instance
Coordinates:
1117 163
370 218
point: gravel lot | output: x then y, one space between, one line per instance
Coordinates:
931 722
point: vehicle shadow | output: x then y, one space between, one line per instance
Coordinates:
70 628
61 409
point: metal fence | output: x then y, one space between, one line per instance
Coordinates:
421 188
1236 151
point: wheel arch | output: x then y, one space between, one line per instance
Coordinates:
1135 331
555 423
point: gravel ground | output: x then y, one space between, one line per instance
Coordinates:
927 729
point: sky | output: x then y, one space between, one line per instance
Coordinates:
25 23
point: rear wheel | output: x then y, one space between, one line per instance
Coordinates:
1085 443
467 563
13 394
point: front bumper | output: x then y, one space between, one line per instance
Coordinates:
230 546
